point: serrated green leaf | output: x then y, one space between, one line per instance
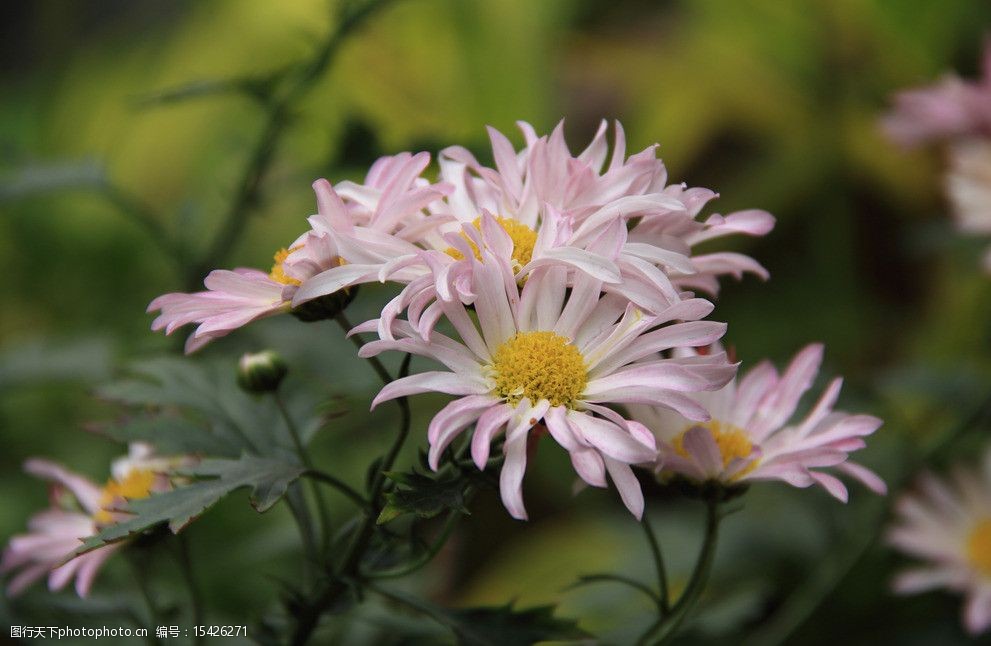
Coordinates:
268 480
207 391
425 496
174 435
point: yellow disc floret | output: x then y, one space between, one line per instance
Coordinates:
523 238
539 365
136 484
979 547
278 273
733 443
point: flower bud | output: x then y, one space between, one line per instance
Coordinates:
325 307
261 372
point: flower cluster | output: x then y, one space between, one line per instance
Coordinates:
560 293
955 113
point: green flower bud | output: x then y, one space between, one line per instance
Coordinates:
261 372
325 307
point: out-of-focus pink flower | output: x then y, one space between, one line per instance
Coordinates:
950 109
55 533
947 524
555 353
749 438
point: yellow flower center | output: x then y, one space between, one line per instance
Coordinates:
979 547
539 365
278 273
523 238
732 442
136 484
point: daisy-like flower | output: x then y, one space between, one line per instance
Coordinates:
948 525
79 509
391 192
549 357
749 436
948 110
541 206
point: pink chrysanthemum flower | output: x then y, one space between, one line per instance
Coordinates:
546 206
948 110
392 192
948 525
749 438
542 355
55 533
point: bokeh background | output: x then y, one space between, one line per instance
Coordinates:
773 104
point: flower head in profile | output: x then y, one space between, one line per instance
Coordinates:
946 111
392 192
79 509
947 524
750 436
554 355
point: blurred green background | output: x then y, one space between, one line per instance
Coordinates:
773 104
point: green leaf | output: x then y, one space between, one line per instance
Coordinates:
506 626
268 480
40 178
425 496
174 435
207 393
35 361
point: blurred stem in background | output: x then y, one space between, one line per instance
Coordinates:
277 118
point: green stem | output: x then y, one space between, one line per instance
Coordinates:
304 457
309 614
662 577
415 604
142 583
276 120
359 341
195 599
340 485
666 626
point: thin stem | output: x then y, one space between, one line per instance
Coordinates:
432 551
142 582
195 599
297 505
617 578
340 485
276 121
308 615
662 577
666 626
304 457
359 341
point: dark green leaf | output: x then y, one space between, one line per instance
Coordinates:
425 496
267 479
